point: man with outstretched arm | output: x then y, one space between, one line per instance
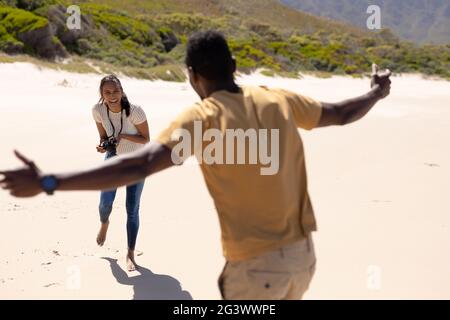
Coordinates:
266 220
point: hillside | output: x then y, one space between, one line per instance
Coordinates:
146 39
269 12
422 21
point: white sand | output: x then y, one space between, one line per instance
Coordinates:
380 189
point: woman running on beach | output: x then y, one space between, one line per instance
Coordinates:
123 128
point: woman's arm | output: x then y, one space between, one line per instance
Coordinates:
103 136
143 137
101 131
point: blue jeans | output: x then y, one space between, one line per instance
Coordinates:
134 193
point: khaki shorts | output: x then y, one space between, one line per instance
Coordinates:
282 274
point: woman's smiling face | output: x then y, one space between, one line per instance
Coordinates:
112 93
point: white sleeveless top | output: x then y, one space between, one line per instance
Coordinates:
137 116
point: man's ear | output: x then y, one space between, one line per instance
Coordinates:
192 74
233 65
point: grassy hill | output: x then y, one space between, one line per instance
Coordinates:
269 12
147 39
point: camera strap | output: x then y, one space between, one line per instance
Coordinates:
114 128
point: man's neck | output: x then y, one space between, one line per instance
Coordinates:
229 86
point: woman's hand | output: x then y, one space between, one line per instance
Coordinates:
100 149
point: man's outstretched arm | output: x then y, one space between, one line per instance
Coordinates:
351 110
119 171
116 172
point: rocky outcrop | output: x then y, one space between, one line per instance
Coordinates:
24 32
43 42
168 39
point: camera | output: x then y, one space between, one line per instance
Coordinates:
110 145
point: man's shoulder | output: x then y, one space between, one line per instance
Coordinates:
266 91
208 104
263 95
202 110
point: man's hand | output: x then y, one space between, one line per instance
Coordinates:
351 110
23 182
121 171
381 82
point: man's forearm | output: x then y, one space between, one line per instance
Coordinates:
354 109
118 171
113 173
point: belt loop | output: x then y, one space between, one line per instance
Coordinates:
221 281
308 242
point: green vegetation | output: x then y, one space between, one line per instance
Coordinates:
14 23
146 39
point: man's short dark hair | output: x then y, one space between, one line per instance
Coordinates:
208 54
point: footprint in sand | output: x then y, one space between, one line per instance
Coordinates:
51 285
13 207
432 165
64 83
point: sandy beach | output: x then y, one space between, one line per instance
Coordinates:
380 190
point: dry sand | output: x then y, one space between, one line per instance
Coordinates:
380 189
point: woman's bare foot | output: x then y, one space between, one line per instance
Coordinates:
101 237
131 264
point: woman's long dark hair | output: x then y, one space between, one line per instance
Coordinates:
124 101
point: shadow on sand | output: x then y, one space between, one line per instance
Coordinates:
149 286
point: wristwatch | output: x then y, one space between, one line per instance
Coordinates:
49 184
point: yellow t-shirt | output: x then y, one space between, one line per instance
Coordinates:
257 212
